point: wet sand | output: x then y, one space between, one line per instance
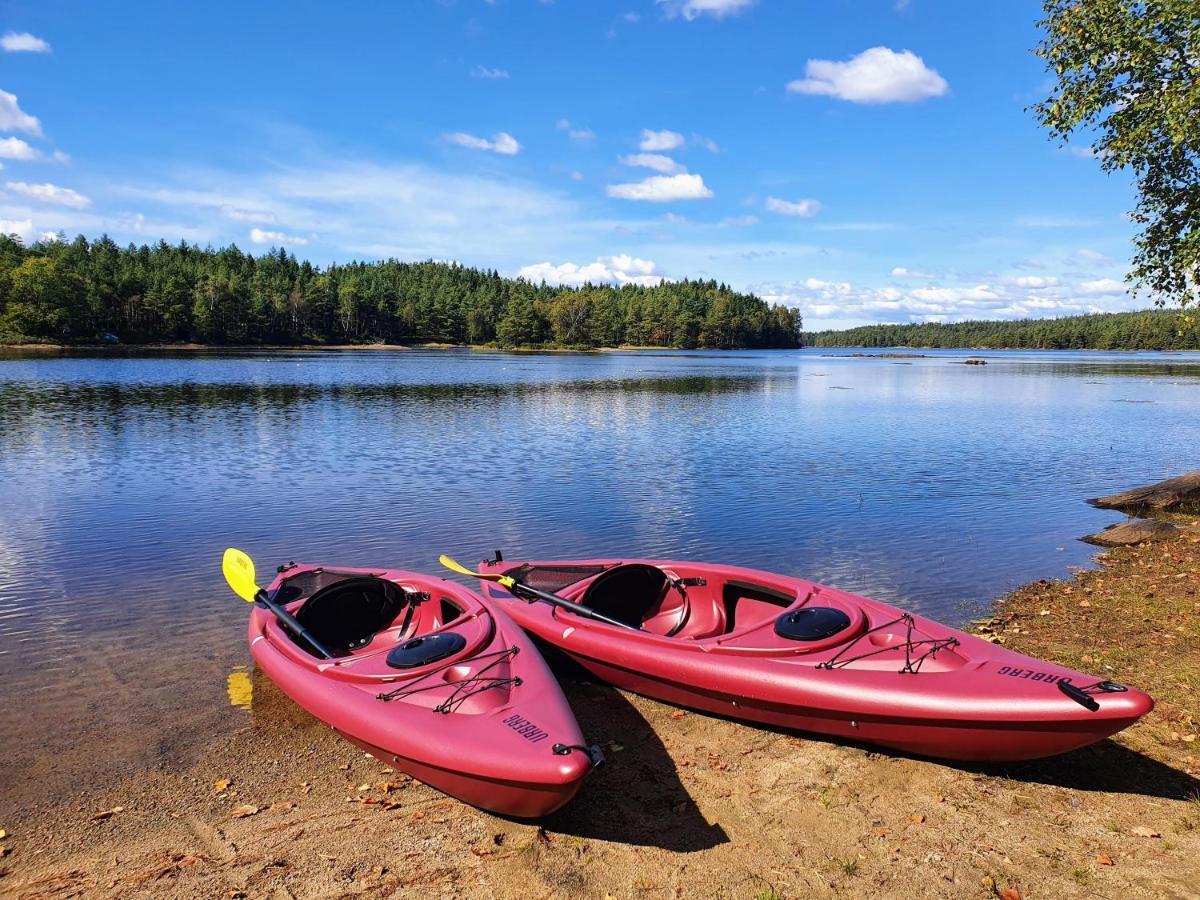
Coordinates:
689 805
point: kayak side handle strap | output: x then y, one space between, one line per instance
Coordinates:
594 754
1083 695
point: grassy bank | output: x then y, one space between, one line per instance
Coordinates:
689 805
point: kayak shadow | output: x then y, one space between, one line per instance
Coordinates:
636 797
1104 766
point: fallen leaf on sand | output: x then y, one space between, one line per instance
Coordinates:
363 787
544 836
679 714
220 784
107 813
1143 831
479 851
1105 860
344 766
1010 894
4 851
3 834
246 810
918 819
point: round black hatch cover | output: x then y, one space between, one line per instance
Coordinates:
812 623
424 650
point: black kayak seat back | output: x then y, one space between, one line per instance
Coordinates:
346 614
627 593
811 623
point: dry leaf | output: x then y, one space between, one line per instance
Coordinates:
544 836
4 851
107 813
363 787
245 810
679 714
344 766
3 834
918 819
220 784
1010 894
1143 831
1105 860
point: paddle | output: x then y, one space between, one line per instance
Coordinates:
238 569
522 589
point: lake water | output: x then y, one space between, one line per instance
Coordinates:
924 482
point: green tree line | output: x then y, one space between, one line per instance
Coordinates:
1149 330
81 290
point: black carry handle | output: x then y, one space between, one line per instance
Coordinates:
1079 695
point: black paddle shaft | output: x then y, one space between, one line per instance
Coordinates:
577 608
286 618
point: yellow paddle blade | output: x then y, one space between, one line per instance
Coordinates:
238 569
463 570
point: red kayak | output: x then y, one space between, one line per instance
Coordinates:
425 677
791 653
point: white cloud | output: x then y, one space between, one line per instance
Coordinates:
13 118
662 189
877 75
258 236
632 18
1092 256
655 161
706 142
15 148
501 142
22 228
693 9
653 141
676 219
1101 287
1035 281
234 214
488 74
800 209
575 134
621 269
49 193
902 272
23 42
739 221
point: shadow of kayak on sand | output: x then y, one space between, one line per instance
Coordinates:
636 797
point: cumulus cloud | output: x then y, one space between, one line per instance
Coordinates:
655 161
1101 287
13 118
488 74
902 272
655 141
662 189
15 148
278 238
49 193
574 133
502 142
693 9
877 75
236 214
22 228
619 270
1012 298
800 209
23 42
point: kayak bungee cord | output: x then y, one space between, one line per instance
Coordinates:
475 683
911 665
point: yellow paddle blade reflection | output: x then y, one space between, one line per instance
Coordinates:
238 569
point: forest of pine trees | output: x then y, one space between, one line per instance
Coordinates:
1158 329
81 291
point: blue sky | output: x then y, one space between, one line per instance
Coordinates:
865 161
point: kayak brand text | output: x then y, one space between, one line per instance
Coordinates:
1031 674
526 729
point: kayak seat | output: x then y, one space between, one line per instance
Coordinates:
347 614
643 596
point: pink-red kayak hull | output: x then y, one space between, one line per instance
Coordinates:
974 701
483 752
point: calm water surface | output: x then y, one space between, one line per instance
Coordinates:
923 482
